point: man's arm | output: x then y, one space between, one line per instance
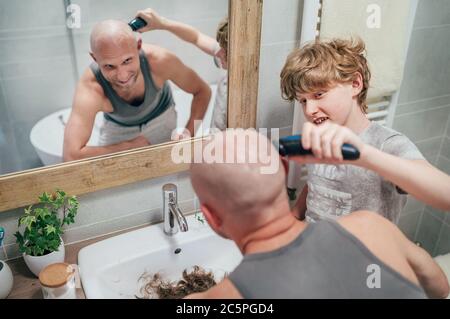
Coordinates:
386 241
169 67
183 31
431 277
79 128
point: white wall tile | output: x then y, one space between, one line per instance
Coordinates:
273 111
422 105
443 244
31 14
430 13
281 21
426 73
408 224
423 125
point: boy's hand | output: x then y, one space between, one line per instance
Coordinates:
325 141
154 21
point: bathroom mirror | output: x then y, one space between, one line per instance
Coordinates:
46 67
87 175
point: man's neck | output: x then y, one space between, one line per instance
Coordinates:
274 235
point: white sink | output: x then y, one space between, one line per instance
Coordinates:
112 268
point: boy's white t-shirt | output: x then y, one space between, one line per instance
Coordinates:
336 190
219 116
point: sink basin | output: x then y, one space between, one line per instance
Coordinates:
113 268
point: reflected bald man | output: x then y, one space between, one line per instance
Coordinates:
128 82
360 255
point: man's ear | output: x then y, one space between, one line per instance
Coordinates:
213 220
92 55
139 43
357 84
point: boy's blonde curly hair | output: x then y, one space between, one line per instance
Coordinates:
322 64
222 34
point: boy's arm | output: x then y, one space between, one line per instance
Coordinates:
299 209
183 31
416 177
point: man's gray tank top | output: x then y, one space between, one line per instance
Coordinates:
156 101
324 261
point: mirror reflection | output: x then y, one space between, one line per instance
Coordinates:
78 82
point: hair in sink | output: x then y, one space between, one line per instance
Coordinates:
155 286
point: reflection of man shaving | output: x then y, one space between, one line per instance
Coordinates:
128 82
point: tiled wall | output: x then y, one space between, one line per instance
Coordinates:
423 115
39 67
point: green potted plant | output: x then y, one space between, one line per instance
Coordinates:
41 243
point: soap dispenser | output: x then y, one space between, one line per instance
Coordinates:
6 277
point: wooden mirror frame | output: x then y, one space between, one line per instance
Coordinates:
93 174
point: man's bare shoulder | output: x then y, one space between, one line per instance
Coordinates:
157 56
88 84
89 93
365 222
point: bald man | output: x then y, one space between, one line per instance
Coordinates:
128 82
361 255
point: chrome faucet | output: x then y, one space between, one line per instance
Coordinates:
171 211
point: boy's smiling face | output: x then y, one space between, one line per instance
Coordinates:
336 103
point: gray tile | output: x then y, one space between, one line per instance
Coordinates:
16 50
408 224
9 154
430 148
175 9
273 111
32 98
26 151
112 225
424 75
12 251
443 245
431 13
9 221
31 14
412 205
439 214
423 125
443 164
129 199
30 68
428 233
2 255
281 21
422 105
445 152
448 126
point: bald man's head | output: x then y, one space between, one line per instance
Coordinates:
244 188
112 33
116 50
